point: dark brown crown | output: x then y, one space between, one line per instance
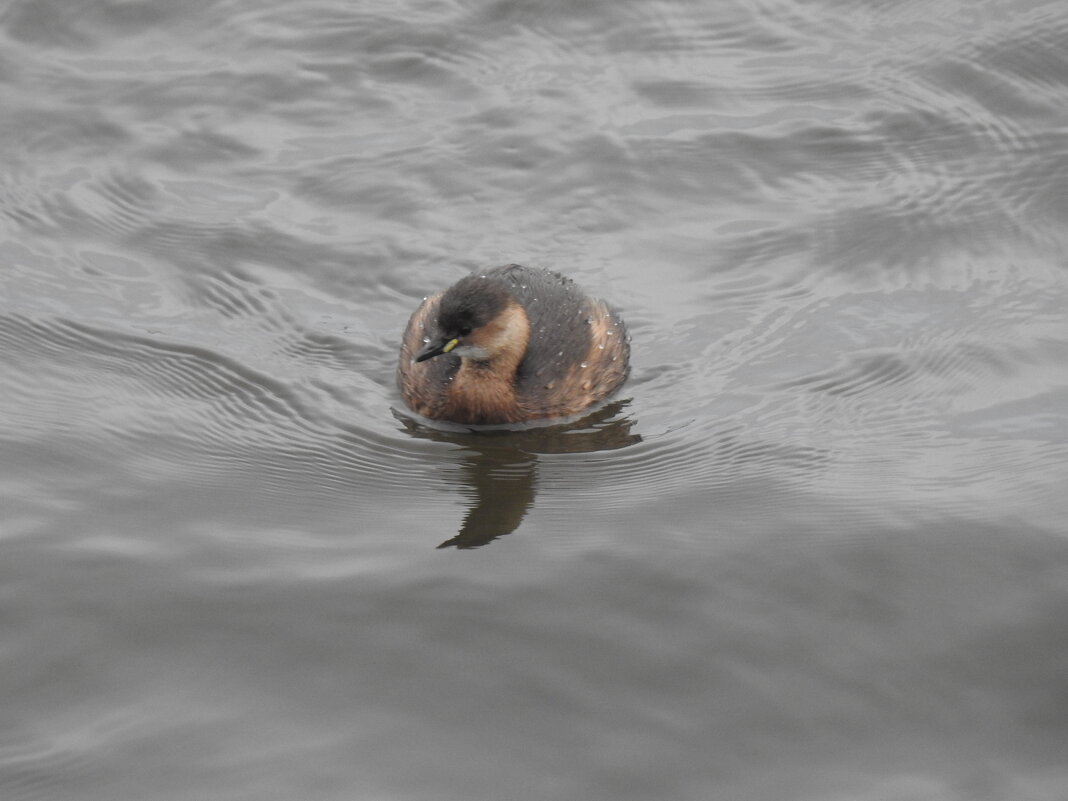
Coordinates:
471 303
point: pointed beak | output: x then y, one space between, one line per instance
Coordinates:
435 348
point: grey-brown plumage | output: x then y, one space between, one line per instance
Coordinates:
509 345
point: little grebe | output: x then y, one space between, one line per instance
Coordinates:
510 345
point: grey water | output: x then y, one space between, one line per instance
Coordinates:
816 549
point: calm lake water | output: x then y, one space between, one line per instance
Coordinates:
817 549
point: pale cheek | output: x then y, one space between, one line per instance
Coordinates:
471 352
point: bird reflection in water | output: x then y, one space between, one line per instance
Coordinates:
499 468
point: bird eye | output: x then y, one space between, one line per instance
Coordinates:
464 330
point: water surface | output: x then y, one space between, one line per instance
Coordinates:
816 549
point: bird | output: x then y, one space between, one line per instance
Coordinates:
511 345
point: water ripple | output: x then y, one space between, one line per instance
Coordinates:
220 409
35 770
